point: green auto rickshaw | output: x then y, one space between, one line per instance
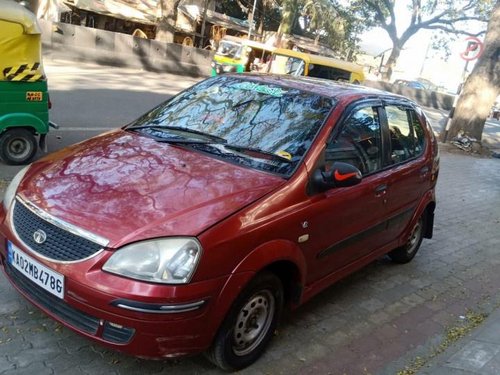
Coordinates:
24 99
240 55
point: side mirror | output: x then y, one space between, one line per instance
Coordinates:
339 175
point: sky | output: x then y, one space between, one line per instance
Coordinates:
418 58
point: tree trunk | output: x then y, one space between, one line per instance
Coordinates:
203 23
166 23
481 88
287 20
391 62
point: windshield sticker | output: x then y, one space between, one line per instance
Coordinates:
273 91
284 154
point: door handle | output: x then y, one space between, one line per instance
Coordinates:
380 190
424 171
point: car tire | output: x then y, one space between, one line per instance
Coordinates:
407 252
17 146
249 325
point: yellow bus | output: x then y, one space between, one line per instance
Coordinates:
286 61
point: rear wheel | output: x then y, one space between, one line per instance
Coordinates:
407 252
17 146
249 325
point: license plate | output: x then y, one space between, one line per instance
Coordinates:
51 281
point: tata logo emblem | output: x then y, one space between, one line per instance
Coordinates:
39 236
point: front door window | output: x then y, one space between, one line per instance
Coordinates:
359 142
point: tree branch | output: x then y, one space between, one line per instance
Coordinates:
439 19
416 12
437 23
390 7
378 12
433 6
452 30
469 6
435 19
244 8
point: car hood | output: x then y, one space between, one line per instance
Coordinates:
126 187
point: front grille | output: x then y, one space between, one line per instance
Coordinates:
56 306
74 317
60 244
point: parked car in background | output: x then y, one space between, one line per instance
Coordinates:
495 109
412 84
422 84
190 229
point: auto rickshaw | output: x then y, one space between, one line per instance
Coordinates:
24 98
240 55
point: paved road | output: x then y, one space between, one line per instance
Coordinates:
90 99
377 321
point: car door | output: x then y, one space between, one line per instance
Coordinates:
344 224
410 170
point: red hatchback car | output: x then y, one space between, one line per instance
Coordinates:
191 228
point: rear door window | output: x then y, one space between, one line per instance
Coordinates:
406 134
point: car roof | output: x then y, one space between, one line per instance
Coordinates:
324 87
16 13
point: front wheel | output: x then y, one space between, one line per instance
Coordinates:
17 146
407 252
249 325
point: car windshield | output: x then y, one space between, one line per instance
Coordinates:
243 121
229 49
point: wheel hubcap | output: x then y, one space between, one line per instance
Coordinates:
415 237
19 148
253 322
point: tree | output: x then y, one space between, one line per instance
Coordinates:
288 16
481 87
266 16
452 16
166 23
323 20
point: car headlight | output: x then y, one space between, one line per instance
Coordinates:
167 261
10 193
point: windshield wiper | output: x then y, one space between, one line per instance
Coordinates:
208 147
257 152
213 138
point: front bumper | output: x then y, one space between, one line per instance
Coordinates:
140 319
147 330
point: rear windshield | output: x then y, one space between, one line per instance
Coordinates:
276 120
